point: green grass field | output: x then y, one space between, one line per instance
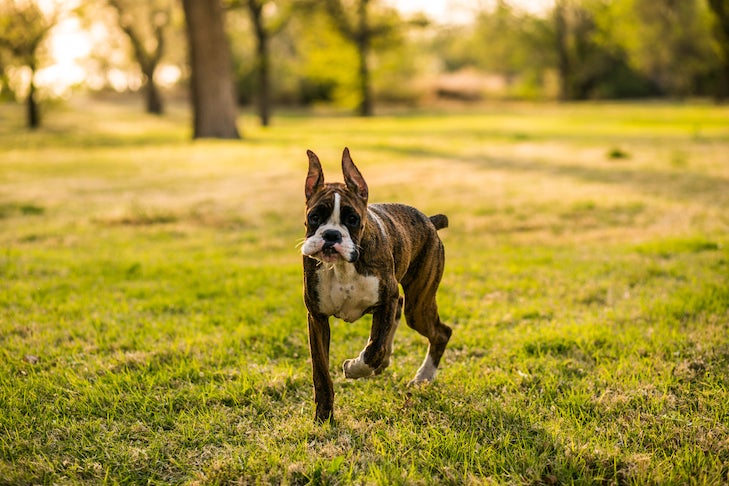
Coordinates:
152 328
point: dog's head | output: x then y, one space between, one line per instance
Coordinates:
335 212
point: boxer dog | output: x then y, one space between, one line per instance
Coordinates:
355 257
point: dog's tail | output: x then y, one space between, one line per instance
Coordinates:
440 221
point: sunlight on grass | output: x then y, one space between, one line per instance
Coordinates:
152 327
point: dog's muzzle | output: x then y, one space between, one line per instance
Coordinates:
331 247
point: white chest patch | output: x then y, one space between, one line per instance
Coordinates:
344 293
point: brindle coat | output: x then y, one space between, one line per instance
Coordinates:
393 244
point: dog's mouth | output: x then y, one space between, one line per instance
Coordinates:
330 254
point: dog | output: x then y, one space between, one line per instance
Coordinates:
355 257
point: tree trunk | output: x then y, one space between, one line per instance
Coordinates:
31 104
360 33
147 58
563 57
722 91
212 91
365 106
363 48
262 62
264 83
153 98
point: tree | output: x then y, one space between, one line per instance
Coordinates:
667 41
318 64
362 30
721 33
582 63
591 62
144 24
23 28
212 91
513 43
268 18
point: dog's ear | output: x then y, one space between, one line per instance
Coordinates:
315 177
352 176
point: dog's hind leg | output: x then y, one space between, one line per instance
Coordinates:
429 325
421 314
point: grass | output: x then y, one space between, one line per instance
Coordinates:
152 328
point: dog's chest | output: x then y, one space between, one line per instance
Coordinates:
344 293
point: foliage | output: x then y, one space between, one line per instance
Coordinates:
576 49
23 28
326 63
313 64
600 49
152 328
268 18
669 42
364 23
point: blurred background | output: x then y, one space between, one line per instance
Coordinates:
359 55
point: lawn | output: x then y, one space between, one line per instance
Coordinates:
152 328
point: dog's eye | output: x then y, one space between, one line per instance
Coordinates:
352 220
314 219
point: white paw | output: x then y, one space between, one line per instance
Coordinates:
356 368
420 381
425 374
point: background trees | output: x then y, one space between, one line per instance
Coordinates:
667 42
355 53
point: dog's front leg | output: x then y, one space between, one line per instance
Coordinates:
373 356
319 347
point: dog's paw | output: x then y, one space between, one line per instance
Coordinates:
425 374
356 368
420 382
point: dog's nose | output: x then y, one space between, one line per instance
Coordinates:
332 236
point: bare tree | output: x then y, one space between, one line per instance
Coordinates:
212 91
134 20
23 28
